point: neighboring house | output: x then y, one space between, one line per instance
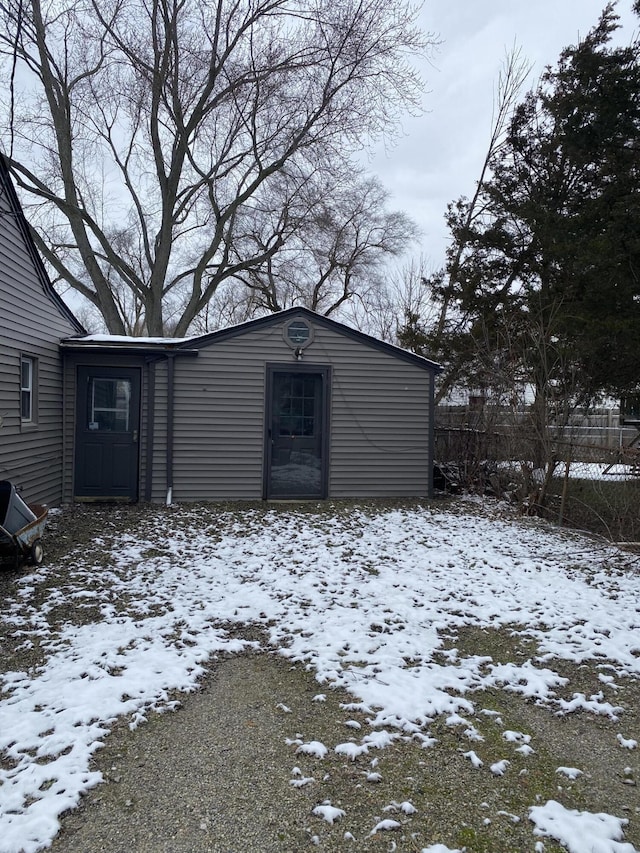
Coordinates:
289 406
33 319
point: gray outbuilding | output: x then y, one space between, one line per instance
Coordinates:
290 406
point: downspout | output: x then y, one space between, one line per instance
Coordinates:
151 428
170 407
432 432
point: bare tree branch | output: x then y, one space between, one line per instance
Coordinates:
155 132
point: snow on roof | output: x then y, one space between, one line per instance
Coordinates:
130 340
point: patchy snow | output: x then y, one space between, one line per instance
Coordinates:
364 601
438 848
129 339
328 812
580 832
570 772
299 780
313 748
380 739
386 825
598 471
516 737
601 471
475 760
351 750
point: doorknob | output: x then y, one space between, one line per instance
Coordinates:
135 435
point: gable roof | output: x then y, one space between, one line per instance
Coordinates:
16 211
316 320
191 345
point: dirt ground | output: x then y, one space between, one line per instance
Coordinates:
216 774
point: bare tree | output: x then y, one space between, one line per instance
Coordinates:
148 133
335 233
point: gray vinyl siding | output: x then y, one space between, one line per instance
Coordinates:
219 421
379 417
159 447
30 324
380 432
69 397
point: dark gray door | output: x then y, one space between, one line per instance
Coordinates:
107 428
296 452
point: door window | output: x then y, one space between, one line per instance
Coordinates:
297 404
109 404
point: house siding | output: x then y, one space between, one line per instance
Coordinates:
159 445
219 421
31 324
380 409
378 417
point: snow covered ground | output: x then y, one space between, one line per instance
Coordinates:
596 471
368 600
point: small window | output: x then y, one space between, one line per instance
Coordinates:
27 389
298 334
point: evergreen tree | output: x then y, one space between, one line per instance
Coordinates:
547 286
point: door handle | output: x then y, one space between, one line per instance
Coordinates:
135 436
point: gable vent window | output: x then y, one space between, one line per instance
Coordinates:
27 389
298 334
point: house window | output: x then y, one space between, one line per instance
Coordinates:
28 373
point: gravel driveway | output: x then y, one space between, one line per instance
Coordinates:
222 772
215 776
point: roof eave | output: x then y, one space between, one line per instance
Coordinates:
270 319
77 345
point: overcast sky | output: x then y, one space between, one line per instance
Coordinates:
440 156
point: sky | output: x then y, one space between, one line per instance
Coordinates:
441 153
119 625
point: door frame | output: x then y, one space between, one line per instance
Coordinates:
324 371
85 372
